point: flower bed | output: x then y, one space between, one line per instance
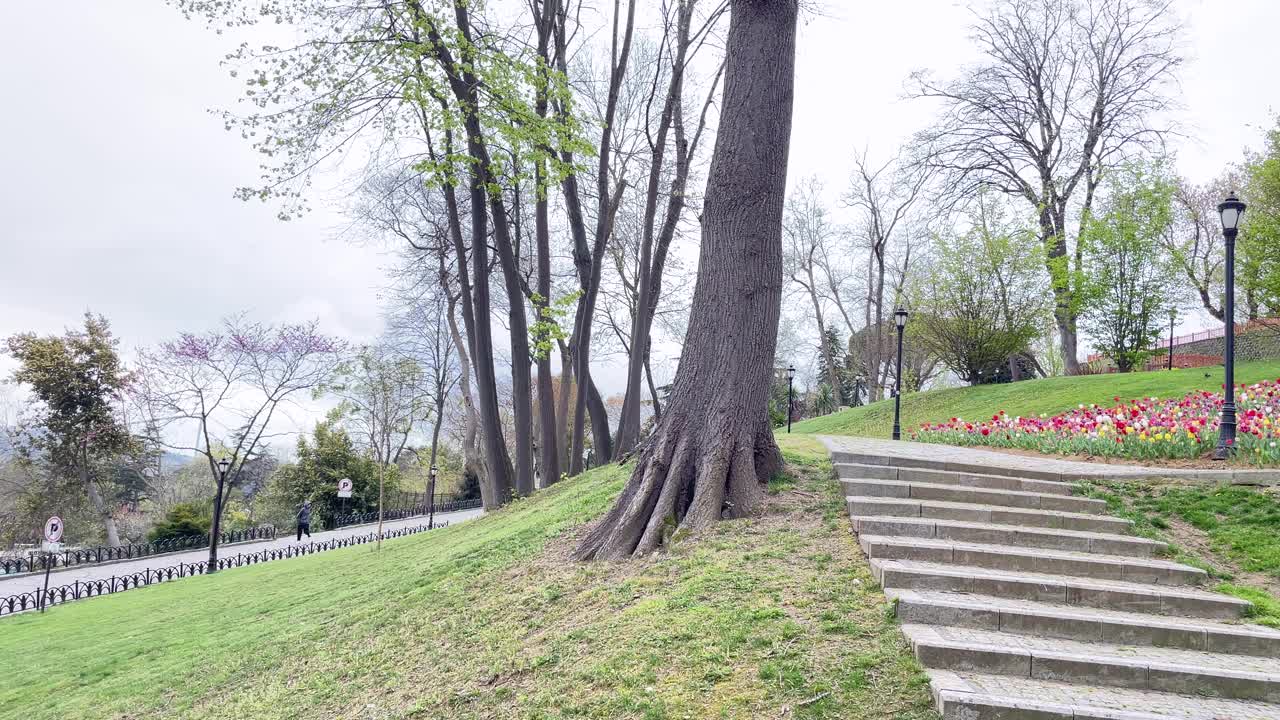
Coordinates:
1142 429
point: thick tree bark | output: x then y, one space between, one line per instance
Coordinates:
1052 223
496 486
714 447
103 511
471 423
521 380
653 389
562 403
549 448
549 453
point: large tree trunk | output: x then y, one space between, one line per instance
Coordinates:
562 403
714 447
496 486
549 450
1058 265
601 440
549 453
521 380
471 461
103 510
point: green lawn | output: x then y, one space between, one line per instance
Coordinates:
1050 395
773 616
1233 532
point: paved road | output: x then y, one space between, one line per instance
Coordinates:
65 576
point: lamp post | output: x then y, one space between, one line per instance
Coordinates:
1230 211
431 508
791 374
899 319
215 531
1173 316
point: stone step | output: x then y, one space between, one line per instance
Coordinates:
1049 539
950 477
971 512
1025 617
840 456
1010 558
862 487
1141 668
975 696
1063 590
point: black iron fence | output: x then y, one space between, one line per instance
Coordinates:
81 589
421 506
35 562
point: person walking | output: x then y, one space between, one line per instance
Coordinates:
304 520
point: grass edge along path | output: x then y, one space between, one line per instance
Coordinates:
771 616
1028 397
1231 532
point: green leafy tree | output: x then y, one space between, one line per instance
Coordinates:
385 396
1128 277
74 426
981 300
328 456
825 400
1258 261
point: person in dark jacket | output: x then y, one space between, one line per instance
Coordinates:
304 520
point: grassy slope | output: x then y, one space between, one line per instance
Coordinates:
775 616
1049 395
1232 532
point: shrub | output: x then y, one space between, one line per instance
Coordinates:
182 520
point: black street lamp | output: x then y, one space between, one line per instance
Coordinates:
1230 211
431 508
224 466
791 373
899 319
1173 316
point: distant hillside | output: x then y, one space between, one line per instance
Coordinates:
171 460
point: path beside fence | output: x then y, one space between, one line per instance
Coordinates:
66 576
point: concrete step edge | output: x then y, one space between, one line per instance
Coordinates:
976 696
1082 624
1062 590
1019 535
989 496
952 477
843 456
1007 557
1181 671
981 512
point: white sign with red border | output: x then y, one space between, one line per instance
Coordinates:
344 488
53 529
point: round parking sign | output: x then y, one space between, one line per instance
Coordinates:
53 529
344 488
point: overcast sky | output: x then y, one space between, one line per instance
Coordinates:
116 187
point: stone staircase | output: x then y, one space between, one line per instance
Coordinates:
1024 601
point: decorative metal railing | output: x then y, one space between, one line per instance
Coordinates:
81 589
444 504
35 562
